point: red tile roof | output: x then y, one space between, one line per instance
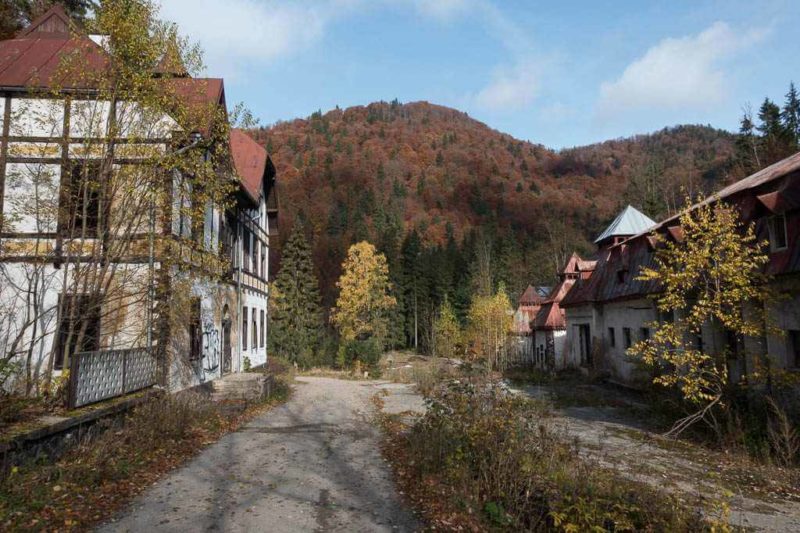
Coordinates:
250 161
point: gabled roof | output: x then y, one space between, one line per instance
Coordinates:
250 161
54 21
532 296
629 222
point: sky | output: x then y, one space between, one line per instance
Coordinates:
560 73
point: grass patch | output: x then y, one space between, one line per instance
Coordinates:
95 479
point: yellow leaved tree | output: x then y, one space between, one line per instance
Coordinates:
711 280
490 320
362 310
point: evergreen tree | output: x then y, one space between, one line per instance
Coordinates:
747 145
296 315
790 115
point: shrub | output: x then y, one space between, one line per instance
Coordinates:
366 352
497 451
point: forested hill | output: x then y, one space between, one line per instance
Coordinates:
375 172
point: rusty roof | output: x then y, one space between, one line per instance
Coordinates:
776 189
532 296
250 161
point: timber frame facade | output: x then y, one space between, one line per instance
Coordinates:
218 265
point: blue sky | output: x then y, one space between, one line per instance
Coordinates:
560 73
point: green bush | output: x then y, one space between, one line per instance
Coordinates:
366 352
497 451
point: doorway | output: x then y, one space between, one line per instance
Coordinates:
226 341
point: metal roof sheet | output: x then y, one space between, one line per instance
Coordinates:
630 221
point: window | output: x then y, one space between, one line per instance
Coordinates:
195 330
264 260
621 274
244 328
263 329
76 312
644 333
793 337
246 252
626 337
777 233
612 341
83 197
256 249
255 331
585 344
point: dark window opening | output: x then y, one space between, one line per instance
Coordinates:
83 197
195 330
244 328
263 260
256 249
777 233
585 344
612 341
246 252
626 337
263 329
644 333
76 312
621 275
255 331
793 337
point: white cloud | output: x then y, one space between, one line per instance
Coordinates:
236 33
684 72
510 88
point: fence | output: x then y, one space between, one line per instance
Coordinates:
103 374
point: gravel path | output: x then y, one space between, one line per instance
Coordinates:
312 464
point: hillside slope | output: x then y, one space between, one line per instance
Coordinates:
378 171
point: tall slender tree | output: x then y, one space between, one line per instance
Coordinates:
790 115
296 315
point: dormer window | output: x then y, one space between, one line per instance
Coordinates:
777 233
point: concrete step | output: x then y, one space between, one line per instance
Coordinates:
249 386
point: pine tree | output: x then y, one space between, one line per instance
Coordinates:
296 315
790 115
747 145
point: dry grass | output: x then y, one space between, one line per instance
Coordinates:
484 459
89 483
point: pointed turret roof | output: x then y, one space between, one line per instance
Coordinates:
630 222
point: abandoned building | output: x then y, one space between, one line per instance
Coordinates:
610 310
121 337
529 304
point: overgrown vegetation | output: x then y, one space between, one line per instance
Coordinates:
94 479
499 463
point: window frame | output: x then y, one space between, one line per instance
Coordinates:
772 230
244 328
263 329
74 172
627 337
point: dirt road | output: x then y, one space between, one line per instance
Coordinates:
312 464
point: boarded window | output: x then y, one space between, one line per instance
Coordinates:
244 328
263 329
78 327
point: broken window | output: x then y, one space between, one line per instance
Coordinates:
777 233
244 328
78 327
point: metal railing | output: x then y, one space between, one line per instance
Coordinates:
103 374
